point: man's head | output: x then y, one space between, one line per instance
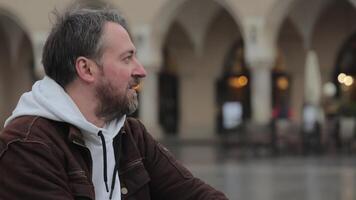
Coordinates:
93 47
76 33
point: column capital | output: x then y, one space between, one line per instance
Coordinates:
148 51
260 50
261 64
313 82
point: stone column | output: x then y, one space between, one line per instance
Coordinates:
260 57
261 94
148 112
150 56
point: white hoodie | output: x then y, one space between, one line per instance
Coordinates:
48 99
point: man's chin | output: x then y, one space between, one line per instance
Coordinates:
132 105
133 92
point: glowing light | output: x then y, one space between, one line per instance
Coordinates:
282 83
238 82
349 80
234 82
341 77
243 81
329 89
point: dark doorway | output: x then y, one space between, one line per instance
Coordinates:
345 71
168 95
281 84
233 91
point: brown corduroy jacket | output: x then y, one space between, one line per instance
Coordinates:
47 160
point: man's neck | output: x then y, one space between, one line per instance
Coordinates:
86 103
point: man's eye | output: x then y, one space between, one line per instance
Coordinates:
128 58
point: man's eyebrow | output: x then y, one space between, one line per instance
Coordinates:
129 52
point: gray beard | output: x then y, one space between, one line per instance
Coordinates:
113 105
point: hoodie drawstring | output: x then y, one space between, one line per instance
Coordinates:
117 147
113 182
117 159
100 134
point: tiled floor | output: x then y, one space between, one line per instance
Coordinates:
271 178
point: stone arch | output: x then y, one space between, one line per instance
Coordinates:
169 12
224 33
196 111
334 26
298 12
223 40
324 24
177 56
277 15
179 45
16 62
14 18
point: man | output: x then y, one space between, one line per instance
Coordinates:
69 137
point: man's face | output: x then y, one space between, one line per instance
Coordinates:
120 74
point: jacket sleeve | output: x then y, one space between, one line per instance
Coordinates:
169 178
30 170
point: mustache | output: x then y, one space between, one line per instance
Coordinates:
135 82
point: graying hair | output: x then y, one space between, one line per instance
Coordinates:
78 32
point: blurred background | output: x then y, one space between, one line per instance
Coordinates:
256 97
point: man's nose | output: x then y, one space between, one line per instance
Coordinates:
139 70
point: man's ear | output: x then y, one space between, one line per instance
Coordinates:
85 68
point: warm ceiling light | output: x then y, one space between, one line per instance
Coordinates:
238 82
341 77
282 83
349 80
243 81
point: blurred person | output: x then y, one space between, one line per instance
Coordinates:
69 137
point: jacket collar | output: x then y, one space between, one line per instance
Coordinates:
75 136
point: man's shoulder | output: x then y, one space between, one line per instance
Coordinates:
136 129
133 123
134 126
28 128
26 124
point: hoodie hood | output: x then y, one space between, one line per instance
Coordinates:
49 100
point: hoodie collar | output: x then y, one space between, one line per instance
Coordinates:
49 100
